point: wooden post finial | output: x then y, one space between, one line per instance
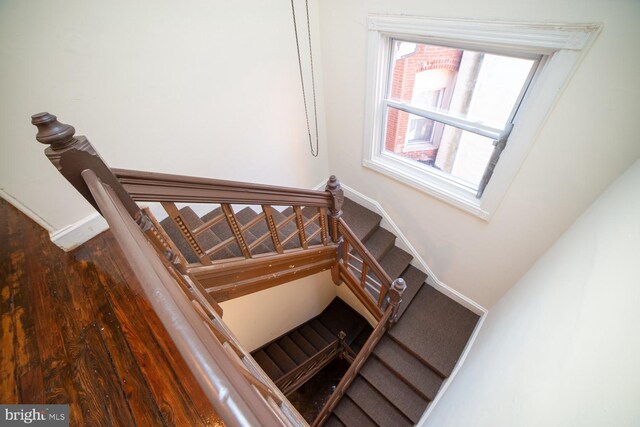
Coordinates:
51 131
395 296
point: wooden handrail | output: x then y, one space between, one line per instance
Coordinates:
364 253
161 187
369 265
354 369
228 390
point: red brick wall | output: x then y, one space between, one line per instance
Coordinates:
426 57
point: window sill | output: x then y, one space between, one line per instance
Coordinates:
430 183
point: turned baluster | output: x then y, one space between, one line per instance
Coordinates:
73 154
395 297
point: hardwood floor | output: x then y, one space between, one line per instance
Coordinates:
74 331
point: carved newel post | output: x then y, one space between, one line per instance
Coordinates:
73 154
335 212
395 297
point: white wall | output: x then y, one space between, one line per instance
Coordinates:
204 88
561 348
258 318
590 137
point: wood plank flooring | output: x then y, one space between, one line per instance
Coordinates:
74 330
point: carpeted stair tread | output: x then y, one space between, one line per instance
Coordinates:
244 216
339 316
375 405
361 339
206 240
280 357
395 262
361 220
267 365
322 330
380 242
334 421
258 230
398 392
292 349
407 367
351 414
286 230
414 280
303 343
307 212
445 328
222 230
313 337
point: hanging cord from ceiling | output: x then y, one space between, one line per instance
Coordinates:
314 152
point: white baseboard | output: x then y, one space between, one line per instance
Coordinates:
403 243
418 262
72 236
25 210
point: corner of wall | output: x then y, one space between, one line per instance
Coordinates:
72 236
403 243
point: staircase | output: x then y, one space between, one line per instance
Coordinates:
221 232
257 236
291 351
411 361
414 357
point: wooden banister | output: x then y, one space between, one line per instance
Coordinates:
227 388
72 154
161 187
354 369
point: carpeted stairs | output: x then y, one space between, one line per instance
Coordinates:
409 364
290 350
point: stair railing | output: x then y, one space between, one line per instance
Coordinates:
171 189
355 367
184 294
239 398
365 276
240 392
309 249
292 380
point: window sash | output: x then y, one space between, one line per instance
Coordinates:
447 119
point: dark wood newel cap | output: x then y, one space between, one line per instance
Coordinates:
333 183
51 131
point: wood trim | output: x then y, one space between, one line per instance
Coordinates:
158 235
178 221
300 225
323 225
207 225
236 230
273 229
292 380
354 369
260 283
159 187
228 390
364 253
291 257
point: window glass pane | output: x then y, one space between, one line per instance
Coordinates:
438 147
478 86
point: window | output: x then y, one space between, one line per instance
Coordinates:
453 106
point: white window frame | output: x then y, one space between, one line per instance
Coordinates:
561 45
